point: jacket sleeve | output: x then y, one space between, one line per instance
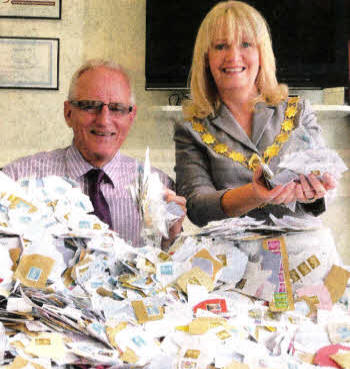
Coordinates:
193 179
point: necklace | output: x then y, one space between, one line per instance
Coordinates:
271 151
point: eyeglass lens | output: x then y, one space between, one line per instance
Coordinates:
96 106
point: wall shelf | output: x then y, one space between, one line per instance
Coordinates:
344 108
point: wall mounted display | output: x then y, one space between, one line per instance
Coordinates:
309 39
29 63
47 9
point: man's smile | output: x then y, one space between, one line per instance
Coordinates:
102 133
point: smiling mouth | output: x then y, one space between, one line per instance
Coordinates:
102 134
234 70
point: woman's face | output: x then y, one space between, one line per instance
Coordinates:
234 66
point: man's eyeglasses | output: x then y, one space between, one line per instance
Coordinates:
94 107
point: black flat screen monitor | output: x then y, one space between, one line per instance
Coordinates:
309 40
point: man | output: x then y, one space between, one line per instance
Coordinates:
100 110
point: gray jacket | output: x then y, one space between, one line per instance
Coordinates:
203 176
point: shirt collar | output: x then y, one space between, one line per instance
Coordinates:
77 166
112 168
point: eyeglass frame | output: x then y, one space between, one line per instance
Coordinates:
98 109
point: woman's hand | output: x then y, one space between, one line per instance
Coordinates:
278 195
312 188
239 201
306 190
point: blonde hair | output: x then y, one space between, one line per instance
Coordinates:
238 20
95 63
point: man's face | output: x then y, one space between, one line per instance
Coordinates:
98 135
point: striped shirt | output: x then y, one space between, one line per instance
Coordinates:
68 162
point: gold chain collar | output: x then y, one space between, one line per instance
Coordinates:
271 151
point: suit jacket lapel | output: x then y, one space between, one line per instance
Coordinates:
226 122
261 120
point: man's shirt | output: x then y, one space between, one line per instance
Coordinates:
122 171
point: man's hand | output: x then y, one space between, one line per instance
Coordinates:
176 228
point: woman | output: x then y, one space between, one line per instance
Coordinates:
238 116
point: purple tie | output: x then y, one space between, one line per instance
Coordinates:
95 178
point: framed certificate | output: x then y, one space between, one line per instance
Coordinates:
47 9
29 63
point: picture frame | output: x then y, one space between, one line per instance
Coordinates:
43 9
29 63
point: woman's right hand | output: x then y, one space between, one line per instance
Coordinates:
277 196
240 200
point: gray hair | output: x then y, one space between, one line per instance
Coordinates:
95 63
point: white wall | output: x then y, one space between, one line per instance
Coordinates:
32 120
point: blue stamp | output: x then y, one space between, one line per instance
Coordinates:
98 328
152 310
166 269
25 220
138 341
84 224
60 190
34 274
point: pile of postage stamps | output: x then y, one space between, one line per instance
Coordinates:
238 294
